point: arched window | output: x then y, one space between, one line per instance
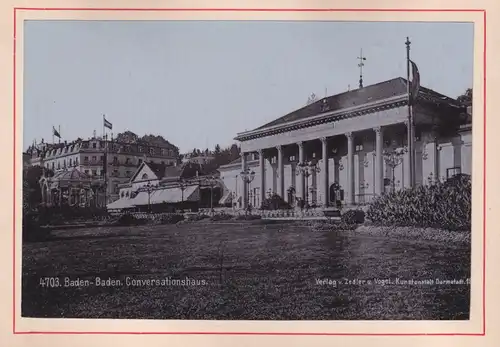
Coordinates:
145 176
127 194
70 162
122 194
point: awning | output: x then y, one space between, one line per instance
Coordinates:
167 196
175 195
120 204
141 198
226 199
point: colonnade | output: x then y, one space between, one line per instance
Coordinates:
324 168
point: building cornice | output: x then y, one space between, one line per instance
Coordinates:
250 163
327 117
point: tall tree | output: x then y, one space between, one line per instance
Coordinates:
466 97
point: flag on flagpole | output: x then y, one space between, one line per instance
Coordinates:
107 124
55 132
415 82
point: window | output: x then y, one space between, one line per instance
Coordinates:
127 194
140 149
122 194
151 151
76 161
94 159
163 162
86 172
145 176
58 165
163 151
85 160
359 148
70 162
115 160
273 160
53 165
452 172
64 163
292 158
94 172
127 161
94 145
115 173
128 173
102 159
140 161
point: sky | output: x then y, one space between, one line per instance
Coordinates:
199 83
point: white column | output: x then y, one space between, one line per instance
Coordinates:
262 175
281 173
300 181
245 185
350 168
379 161
326 186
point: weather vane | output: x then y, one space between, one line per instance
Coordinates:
360 65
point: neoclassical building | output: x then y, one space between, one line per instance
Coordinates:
352 146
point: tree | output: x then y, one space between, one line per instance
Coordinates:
466 98
32 192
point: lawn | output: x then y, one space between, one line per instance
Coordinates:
243 271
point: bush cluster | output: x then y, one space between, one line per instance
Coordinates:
353 217
444 205
275 202
221 216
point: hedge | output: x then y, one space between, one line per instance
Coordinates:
444 205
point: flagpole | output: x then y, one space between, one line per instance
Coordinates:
105 138
409 131
59 134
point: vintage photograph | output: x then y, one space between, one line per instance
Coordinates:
247 170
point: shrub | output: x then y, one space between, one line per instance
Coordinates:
221 216
197 217
275 202
32 230
444 205
129 220
171 218
353 217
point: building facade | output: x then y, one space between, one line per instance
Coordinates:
124 154
353 146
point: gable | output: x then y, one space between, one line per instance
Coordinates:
143 171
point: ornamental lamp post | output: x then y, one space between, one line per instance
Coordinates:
247 177
149 189
307 169
393 158
212 182
182 186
